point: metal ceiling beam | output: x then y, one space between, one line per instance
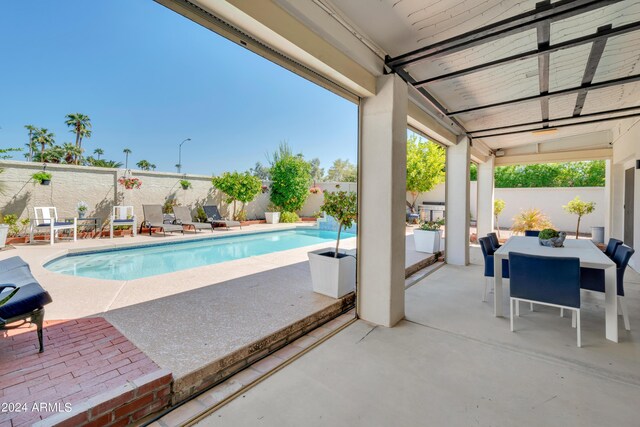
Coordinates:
557 11
597 48
544 36
538 122
586 122
591 86
591 38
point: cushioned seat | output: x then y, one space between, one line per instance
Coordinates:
56 224
30 299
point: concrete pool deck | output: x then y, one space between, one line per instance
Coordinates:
200 323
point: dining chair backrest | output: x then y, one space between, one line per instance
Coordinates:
553 280
532 233
123 213
621 257
486 247
612 246
45 215
493 238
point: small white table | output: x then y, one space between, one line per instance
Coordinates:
590 256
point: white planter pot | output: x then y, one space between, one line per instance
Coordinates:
272 217
333 277
427 241
4 230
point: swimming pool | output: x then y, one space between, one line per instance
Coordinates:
151 260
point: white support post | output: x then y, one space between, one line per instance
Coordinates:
457 203
485 197
381 200
608 194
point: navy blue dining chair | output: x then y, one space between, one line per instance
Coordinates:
531 233
612 246
592 279
553 281
487 254
495 243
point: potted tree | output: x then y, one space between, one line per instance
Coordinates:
332 273
44 178
272 216
580 208
427 237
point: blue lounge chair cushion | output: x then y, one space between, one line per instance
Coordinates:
56 224
123 220
31 296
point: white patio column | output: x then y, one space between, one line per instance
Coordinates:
381 198
608 195
457 203
485 197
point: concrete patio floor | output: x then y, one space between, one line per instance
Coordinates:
450 362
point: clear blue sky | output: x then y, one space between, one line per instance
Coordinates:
149 78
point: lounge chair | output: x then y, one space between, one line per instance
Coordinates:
123 215
153 218
46 219
183 217
214 217
28 299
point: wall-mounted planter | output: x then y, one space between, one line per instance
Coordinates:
45 182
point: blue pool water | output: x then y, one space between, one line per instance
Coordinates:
145 261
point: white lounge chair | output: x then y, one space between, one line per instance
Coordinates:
123 215
46 219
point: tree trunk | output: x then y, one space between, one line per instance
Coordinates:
497 226
335 255
578 227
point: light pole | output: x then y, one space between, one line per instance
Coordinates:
179 165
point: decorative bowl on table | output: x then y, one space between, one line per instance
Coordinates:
552 238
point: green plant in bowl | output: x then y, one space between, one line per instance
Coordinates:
548 233
432 225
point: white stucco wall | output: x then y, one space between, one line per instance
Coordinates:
98 188
550 200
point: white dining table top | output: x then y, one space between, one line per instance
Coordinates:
586 250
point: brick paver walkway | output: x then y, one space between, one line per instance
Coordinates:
82 358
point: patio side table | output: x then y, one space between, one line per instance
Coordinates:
92 223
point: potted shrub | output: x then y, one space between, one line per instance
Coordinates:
82 208
580 208
427 236
44 178
13 228
332 273
185 184
552 238
272 215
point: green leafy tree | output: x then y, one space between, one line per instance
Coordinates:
498 207
80 124
98 152
238 187
260 171
102 163
530 219
342 171
317 173
4 152
343 206
290 179
425 167
570 174
580 208
71 152
126 152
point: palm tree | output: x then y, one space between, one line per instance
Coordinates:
152 166
126 152
32 129
98 152
43 137
71 152
81 126
101 163
144 165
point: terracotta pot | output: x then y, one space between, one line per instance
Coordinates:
17 240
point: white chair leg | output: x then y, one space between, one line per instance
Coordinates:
573 318
530 306
624 312
517 303
111 230
561 312
52 236
511 301
484 294
578 328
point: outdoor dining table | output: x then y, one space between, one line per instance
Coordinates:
588 253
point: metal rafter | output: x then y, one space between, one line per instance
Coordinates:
557 11
586 122
544 37
591 38
587 87
537 122
597 48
